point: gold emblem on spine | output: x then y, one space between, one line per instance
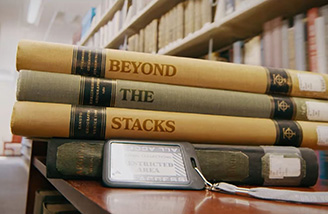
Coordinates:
283 106
279 80
288 133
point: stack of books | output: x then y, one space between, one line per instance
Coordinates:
86 96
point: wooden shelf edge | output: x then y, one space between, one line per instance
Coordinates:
83 204
103 20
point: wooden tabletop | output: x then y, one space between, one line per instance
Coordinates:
92 197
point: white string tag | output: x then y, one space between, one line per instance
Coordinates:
268 193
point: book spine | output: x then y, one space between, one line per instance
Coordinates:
237 52
312 14
268 43
285 44
253 165
300 59
78 90
277 42
291 48
324 12
61 120
321 46
116 64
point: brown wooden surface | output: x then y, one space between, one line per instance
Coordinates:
36 180
92 197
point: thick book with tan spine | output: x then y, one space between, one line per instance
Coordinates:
79 90
117 64
87 122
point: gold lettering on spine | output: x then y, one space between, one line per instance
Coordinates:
80 159
92 90
89 61
91 160
147 125
80 120
82 59
95 65
95 120
87 125
97 91
145 68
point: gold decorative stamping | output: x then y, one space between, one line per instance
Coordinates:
283 106
279 80
288 133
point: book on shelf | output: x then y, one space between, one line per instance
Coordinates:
324 13
252 51
321 54
285 44
44 196
300 50
89 122
252 165
117 64
79 90
311 16
49 208
277 42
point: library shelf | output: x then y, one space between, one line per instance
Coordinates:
103 20
141 19
89 196
244 23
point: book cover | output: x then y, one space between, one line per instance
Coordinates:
87 122
252 165
117 64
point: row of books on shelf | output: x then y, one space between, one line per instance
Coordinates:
182 20
110 29
142 96
300 43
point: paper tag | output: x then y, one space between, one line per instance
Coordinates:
317 111
311 82
147 163
322 135
281 167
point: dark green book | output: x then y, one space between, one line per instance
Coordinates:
252 165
